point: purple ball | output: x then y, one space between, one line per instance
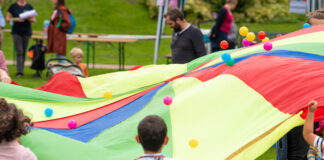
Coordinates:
246 42
167 100
72 124
267 46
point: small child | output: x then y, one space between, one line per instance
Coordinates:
38 57
12 126
316 141
316 18
312 153
77 56
152 135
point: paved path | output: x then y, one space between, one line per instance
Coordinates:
99 66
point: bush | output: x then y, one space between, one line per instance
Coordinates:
258 11
194 10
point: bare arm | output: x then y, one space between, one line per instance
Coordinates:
9 18
308 133
4 77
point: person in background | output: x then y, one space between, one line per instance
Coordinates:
187 41
232 37
77 56
316 18
38 57
2 25
59 24
222 27
4 75
21 31
13 125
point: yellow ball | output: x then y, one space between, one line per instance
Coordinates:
265 39
243 31
193 143
250 36
108 95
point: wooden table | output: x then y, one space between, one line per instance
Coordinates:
91 40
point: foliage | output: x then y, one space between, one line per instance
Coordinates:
194 10
258 11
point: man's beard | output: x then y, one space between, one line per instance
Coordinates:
177 28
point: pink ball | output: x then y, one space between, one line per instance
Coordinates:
167 100
246 42
267 46
72 124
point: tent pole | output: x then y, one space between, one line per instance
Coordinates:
158 33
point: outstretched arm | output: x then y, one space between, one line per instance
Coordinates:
308 133
4 77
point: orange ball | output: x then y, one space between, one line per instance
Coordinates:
224 44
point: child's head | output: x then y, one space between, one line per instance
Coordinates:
320 129
13 122
152 134
316 18
77 55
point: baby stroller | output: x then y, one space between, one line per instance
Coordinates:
53 68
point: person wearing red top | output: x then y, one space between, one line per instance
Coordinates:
223 24
57 30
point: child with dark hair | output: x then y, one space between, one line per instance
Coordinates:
152 135
38 58
12 126
316 18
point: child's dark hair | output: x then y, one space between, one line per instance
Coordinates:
152 131
12 122
318 14
60 3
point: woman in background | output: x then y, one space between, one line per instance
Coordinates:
21 31
59 24
222 27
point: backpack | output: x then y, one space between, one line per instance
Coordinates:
72 20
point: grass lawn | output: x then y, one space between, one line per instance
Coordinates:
122 17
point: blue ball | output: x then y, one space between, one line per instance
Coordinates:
306 25
48 112
226 57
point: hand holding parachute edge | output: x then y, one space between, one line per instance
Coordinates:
312 106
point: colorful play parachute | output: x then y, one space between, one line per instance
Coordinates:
233 112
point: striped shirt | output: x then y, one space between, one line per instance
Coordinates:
319 146
152 157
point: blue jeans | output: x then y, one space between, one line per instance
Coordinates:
282 148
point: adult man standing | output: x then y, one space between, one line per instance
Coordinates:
187 41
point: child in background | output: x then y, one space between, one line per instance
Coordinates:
316 141
12 126
152 135
312 153
77 56
316 18
37 54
